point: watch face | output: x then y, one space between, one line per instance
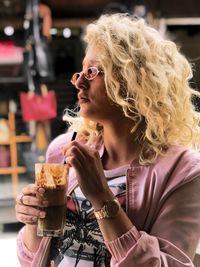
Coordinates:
112 208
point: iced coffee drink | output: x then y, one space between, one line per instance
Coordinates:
54 178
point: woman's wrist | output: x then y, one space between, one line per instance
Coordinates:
30 238
99 201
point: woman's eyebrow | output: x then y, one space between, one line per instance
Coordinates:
91 62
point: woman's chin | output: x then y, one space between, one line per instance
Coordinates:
85 113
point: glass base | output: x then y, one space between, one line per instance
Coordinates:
50 233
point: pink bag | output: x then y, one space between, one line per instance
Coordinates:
38 107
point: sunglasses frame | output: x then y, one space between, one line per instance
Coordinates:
78 74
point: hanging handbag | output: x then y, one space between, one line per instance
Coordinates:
38 107
43 55
38 58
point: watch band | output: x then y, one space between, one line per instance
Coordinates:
109 210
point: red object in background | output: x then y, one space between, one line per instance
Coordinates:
38 107
4 157
10 53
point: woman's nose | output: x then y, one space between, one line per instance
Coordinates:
81 82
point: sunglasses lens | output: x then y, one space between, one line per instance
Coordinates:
91 73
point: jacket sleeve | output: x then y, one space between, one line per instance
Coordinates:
28 258
172 239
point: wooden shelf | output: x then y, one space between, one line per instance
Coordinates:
11 80
14 170
17 139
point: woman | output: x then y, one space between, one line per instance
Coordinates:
135 177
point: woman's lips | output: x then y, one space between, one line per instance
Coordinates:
82 99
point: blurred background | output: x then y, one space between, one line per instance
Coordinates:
39 50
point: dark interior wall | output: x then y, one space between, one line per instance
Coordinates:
80 8
175 8
91 8
187 37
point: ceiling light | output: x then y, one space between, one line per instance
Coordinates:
9 30
53 31
67 33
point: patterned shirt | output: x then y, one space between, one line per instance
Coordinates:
82 244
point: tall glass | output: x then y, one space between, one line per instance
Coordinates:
53 177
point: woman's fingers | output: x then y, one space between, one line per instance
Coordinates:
27 214
75 154
78 154
88 167
30 200
26 219
29 204
32 189
30 211
31 195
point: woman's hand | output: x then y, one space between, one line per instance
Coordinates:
28 204
89 172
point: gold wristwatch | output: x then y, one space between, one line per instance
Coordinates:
109 210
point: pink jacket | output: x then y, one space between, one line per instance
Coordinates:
163 203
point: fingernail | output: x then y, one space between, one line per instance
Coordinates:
42 214
41 190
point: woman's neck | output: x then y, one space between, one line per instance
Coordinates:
120 147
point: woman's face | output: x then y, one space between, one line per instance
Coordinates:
92 97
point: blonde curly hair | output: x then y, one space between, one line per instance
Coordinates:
149 78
